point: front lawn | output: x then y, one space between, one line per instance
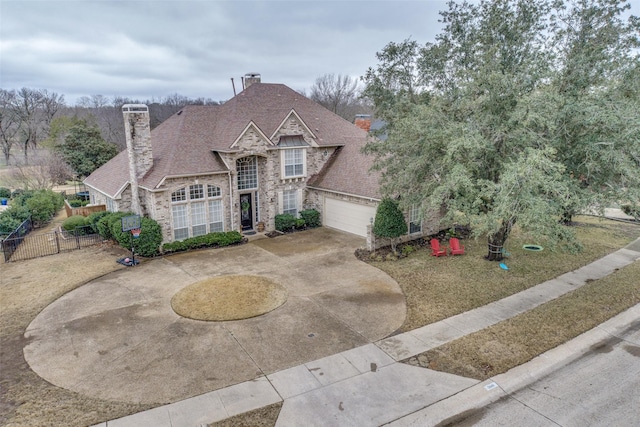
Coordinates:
437 288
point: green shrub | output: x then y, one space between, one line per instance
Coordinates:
407 249
43 205
216 239
150 235
311 217
70 224
8 223
93 219
300 223
389 222
5 193
104 224
77 203
285 222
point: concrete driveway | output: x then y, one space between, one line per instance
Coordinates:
117 337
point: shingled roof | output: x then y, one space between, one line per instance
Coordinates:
186 143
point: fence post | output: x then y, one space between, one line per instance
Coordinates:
55 233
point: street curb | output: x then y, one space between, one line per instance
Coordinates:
473 399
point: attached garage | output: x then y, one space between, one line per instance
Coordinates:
348 216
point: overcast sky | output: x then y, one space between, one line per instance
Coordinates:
151 49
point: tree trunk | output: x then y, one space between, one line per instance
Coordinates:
497 239
567 216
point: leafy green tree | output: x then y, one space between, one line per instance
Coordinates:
472 124
85 150
593 102
389 222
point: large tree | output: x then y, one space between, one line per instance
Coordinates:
472 120
84 149
593 102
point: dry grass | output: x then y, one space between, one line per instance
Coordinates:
229 298
437 288
431 285
26 288
263 417
510 343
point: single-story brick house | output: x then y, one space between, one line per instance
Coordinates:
266 151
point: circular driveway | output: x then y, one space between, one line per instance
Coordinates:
117 337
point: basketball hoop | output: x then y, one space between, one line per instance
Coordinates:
135 233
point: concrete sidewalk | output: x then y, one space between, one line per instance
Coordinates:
366 386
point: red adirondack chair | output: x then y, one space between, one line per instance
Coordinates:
435 248
455 248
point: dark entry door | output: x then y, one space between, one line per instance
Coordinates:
246 212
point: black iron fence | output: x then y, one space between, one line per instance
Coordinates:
33 246
16 237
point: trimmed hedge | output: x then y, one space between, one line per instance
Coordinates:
70 224
311 218
148 242
285 222
93 219
5 193
210 240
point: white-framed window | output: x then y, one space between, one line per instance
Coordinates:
247 169
198 219
294 162
216 218
180 221
290 202
194 212
415 225
111 206
196 192
179 195
213 191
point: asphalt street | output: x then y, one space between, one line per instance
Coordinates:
602 388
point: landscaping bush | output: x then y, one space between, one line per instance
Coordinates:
103 225
389 222
285 222
70 224
311 217
150 235
77 203
5 193
300 224
93 219
8 223
216 239
43 205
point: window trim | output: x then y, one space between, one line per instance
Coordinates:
283 163
415 224
186 198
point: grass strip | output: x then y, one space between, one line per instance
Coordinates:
498 348
437 288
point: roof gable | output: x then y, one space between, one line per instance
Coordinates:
252 137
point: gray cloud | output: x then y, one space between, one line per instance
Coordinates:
150 49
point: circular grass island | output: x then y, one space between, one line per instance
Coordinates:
229 298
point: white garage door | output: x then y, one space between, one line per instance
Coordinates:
347 216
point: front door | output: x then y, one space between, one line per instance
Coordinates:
246 212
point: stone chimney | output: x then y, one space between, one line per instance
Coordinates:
363 121
138 135
251 78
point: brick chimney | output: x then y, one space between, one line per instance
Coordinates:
251 78
138 136
363 121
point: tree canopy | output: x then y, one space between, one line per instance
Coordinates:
499 122
84 149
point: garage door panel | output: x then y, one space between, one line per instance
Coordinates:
347 216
